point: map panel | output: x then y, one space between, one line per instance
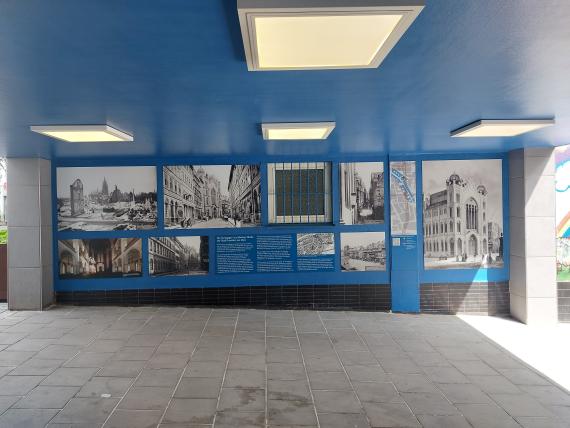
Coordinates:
403 218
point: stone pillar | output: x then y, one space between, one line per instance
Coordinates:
532 236
30 269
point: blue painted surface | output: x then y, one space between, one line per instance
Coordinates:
405 280
173 73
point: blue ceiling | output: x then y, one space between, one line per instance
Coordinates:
173 73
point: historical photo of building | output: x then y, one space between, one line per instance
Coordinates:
178 255
106 198
362 192
206 196
463 214
315 244
99 258
363 251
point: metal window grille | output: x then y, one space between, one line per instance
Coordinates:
299 192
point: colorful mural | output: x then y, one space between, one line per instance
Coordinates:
563 213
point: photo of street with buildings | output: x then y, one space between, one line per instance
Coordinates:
363 251
211 196
99 258
463 214
362 192
315 244
106 198
178 255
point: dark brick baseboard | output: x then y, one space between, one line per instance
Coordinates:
490 298
354 296
564 301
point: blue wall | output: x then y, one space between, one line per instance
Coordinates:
214 280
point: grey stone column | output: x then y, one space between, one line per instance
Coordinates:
30 270
532 236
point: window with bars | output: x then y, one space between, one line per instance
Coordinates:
299 192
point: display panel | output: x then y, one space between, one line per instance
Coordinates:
403 217
106 198
362 192
99 258
178 255
463 214
363 251
211 196
562 155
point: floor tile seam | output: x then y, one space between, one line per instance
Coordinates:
226 369
305 369
62 365
345 371
141 372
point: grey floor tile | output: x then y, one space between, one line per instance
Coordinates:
86 411
242 400
70 376
113 386
26 418
47 397
297 390
121 369
231 419
358 373
541 422
198 388
89 359
520 405
465 394
377 392
363 358
191 411
329 380
146 398
134 353
18 385
390 415
290 413
206 369
550 395
487 416
343 420
167 361
134 419
159 377
286 371
456 421
413 383
524 377
247 362
476 367
336 402
245 379
423 403
445 375
58 352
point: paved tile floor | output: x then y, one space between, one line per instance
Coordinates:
184 367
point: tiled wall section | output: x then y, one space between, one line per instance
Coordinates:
336 297
484 298
564 301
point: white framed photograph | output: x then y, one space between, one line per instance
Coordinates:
362 192
363 251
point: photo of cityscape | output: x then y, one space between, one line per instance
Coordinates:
178 255
315 244
463 214
362 192
211 196
106 198
363 251
99 258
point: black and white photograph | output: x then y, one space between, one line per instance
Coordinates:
363 251
106 198
178 255
99 258
463 214
211 196
315 244
362 192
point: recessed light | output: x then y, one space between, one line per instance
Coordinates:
83 133
297 131
322 34
500 128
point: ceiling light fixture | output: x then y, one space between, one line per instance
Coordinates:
500 128
297 131
322 34
83 133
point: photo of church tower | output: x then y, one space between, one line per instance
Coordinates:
462 213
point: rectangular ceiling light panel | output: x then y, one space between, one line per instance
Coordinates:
297 131
83 133
500 128
322 34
